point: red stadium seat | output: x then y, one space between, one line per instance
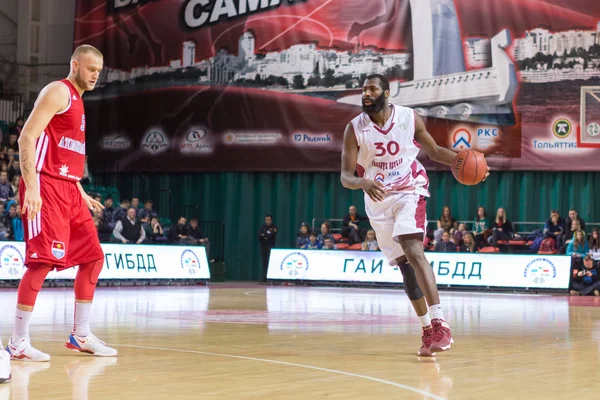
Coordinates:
529 243
517 242
548 252
342 246
503 242
489 250
337 237
356 246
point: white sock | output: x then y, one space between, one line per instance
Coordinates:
436 312
82 319
425 320
22 322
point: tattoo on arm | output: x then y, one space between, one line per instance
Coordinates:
26 165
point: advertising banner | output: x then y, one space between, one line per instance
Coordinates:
269 85
122 261
457 269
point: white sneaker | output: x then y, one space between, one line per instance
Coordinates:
90 344
4 366
24 351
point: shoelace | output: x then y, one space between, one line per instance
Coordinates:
438 333
427 336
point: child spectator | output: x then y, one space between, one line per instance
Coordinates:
329 245
578 248
370 243
325 233
303 236
585 280
481 227
469 245
445 245
594 244
459 234
446 223
313 243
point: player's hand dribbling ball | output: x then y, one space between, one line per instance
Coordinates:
470 167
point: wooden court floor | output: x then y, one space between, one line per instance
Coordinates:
259 342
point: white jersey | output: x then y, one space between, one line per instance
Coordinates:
389 155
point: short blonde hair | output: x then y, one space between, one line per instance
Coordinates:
84 49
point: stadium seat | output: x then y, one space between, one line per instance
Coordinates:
337 237
356 246
517 242
343 246
503 242
489 249
548 253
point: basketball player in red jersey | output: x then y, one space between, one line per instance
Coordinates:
381 144
59 230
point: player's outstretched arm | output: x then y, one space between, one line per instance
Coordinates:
435 152
349 158
52 99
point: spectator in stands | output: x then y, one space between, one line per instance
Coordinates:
573 216
12 142
180 233
459 233
157 232
502 228
14 170
482 228
313 243
109 211
3 155
446 223
469 245
267 237
445 245
12 212
329 245
10 153
135 203
568 237
18 126
594 244
196 233
147 211
350 224
303 236
325 233
554 227
86 179
578 248
121 212
18 233
15 184
5 224
129 230
6 191
102 226
370 243
586 279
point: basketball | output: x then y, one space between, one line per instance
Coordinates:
469 167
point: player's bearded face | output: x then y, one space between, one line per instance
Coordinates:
370 105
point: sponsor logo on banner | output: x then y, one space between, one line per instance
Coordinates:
11 260
196 142
562 128
115 142
486 137
540 271
251 138
461 139
155 142
58 249
295 263
312 138
379 178
593 129
190 262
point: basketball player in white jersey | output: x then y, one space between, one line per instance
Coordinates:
381 145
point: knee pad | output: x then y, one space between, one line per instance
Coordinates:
31 283
87 278
411 286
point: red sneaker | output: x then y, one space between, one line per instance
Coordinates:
425 350
442 337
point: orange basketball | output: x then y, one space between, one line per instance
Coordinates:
469 167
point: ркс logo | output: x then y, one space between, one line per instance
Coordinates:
540 271
11 260
294 263
190 261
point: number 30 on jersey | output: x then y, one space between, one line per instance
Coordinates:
392 148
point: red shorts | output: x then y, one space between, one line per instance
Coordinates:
63 233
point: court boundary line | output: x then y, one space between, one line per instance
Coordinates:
285 363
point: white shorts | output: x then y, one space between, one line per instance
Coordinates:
398 214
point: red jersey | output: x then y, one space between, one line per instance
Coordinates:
60 150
